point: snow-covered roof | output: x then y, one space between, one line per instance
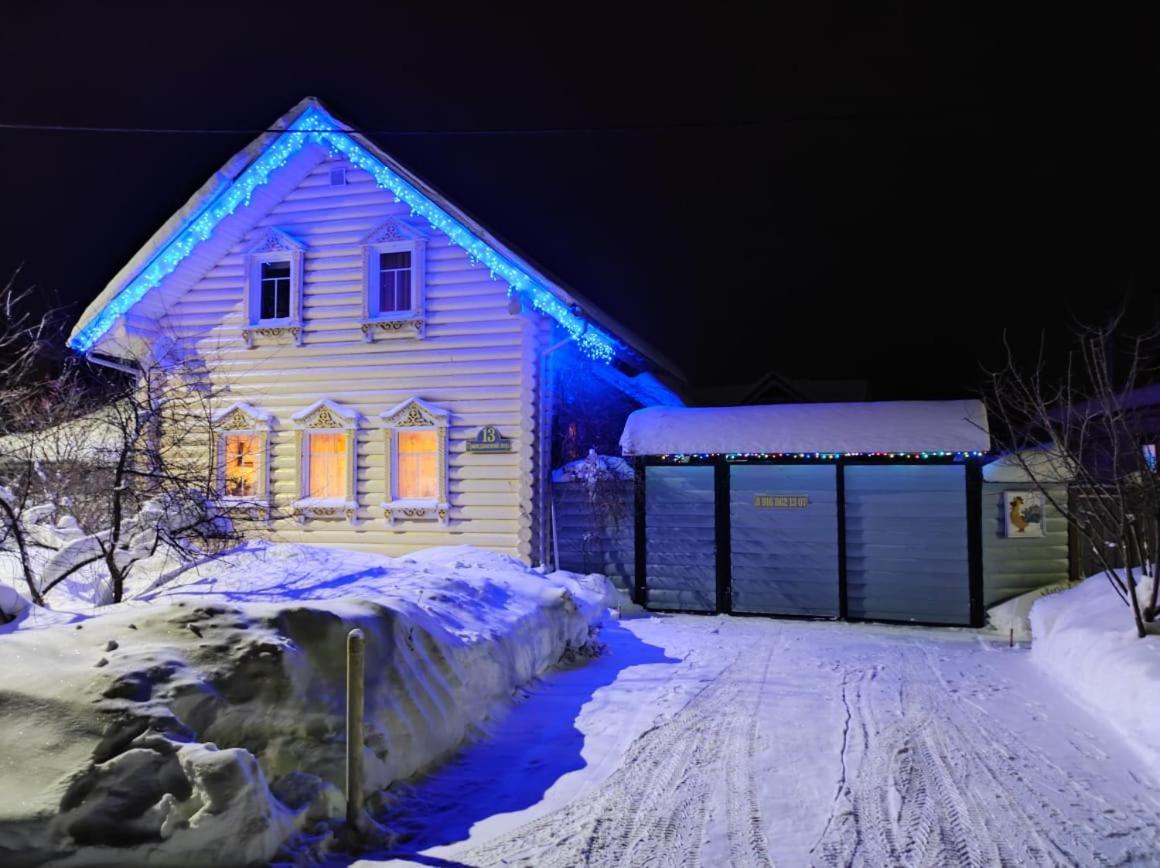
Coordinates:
1042 464
873 427
309 126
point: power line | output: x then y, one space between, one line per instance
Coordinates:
499 131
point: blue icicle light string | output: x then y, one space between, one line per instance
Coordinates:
316 127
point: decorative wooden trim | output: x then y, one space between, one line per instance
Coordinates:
243 418
274 246
394 236
393 328
415 414
327 417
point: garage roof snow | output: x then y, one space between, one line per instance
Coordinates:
855 428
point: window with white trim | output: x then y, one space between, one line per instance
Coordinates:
243 442
416 444
393 282
273 300
327 451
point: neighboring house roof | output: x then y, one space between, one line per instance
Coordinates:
908 427
253 169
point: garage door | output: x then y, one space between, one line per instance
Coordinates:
906 543
784 539
680 547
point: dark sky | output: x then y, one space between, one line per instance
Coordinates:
872 197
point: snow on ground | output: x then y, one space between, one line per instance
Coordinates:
1086 640
202 721
751 742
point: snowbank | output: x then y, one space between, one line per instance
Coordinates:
1013 617
1085 639
882 426
203 721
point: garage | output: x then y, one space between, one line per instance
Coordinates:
867 511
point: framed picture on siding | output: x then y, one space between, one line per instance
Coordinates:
1023 514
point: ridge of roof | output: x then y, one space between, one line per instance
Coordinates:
309 122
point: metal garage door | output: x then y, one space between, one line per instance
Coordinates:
906 543
680 546
784 539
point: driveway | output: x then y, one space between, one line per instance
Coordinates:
752 742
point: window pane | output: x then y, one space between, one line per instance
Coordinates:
275 290
326 464
418 464
402 259
394 282
241 465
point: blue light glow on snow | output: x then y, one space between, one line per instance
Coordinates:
315 126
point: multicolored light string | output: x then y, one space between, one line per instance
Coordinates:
315 126
818 456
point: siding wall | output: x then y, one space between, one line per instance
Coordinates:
906 543
477 360
1015 566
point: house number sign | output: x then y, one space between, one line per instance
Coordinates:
781 501
488 440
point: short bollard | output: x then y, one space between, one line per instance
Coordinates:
355 656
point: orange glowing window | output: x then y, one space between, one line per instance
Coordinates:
326 464
241 465
418 460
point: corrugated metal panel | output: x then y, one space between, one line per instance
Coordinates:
784 560
597 539
906 543
679 538
1015 566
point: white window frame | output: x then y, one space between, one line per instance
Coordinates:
242 418
415 414
327 417
274 246
394 236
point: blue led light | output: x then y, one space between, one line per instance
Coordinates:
314 126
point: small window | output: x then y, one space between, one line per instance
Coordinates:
395 282
326 464
1149 452
275 291
418 464
242 458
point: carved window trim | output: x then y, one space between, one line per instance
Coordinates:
326 417
415 414
394 236
274 246
245 419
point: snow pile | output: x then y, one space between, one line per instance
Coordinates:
1085 639
881 426
203 720
1014 616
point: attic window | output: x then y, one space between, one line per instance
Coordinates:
273 298
338 176
275 289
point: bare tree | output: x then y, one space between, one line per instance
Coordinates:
1080 417
123 460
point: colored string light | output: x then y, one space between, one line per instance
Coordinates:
315 126
818 456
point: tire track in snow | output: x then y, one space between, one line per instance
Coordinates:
942 782
654 809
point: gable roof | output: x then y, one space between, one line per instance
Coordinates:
309 123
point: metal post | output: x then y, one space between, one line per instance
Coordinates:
355 658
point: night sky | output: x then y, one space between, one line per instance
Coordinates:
824 196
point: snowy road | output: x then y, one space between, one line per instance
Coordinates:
753 742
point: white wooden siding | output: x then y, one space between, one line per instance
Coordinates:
477 360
